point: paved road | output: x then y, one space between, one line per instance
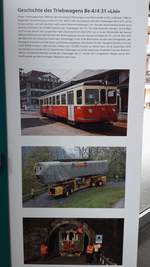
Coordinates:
34 124
44 200
119 204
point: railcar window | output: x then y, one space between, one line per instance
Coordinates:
58 99
91 96
63 99
50 100
111 96
79 97
46 101
70 98
53 100
41 102
103 96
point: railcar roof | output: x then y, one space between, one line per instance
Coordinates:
69 162
86 83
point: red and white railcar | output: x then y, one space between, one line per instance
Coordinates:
87 102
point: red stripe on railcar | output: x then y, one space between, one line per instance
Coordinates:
96 113
83 114
55 111
44 110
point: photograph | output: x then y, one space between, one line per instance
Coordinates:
73 241
74 102
73 177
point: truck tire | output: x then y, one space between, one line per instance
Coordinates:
93 184
100 183
67 193
71 190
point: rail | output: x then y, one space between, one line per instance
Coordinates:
105 261
122 116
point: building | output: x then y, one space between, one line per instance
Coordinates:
34 84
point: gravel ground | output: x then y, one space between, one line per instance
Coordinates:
34 124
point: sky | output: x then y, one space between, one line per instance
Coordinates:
63 74
73 151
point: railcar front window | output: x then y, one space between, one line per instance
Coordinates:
91 96
111 96
79 97
103 96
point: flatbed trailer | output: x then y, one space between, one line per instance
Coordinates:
68 187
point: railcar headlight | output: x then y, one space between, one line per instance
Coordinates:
113 109
90 110
38 168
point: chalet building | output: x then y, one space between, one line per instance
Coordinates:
34 84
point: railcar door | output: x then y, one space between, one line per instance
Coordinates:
70 99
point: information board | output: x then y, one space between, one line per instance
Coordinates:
75 96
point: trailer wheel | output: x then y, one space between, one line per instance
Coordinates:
71 191
93 184
100 183
67 193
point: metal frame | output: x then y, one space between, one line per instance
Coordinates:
5 258
4 208
144 218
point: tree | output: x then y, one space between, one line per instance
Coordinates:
32 155
116 157
29 179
